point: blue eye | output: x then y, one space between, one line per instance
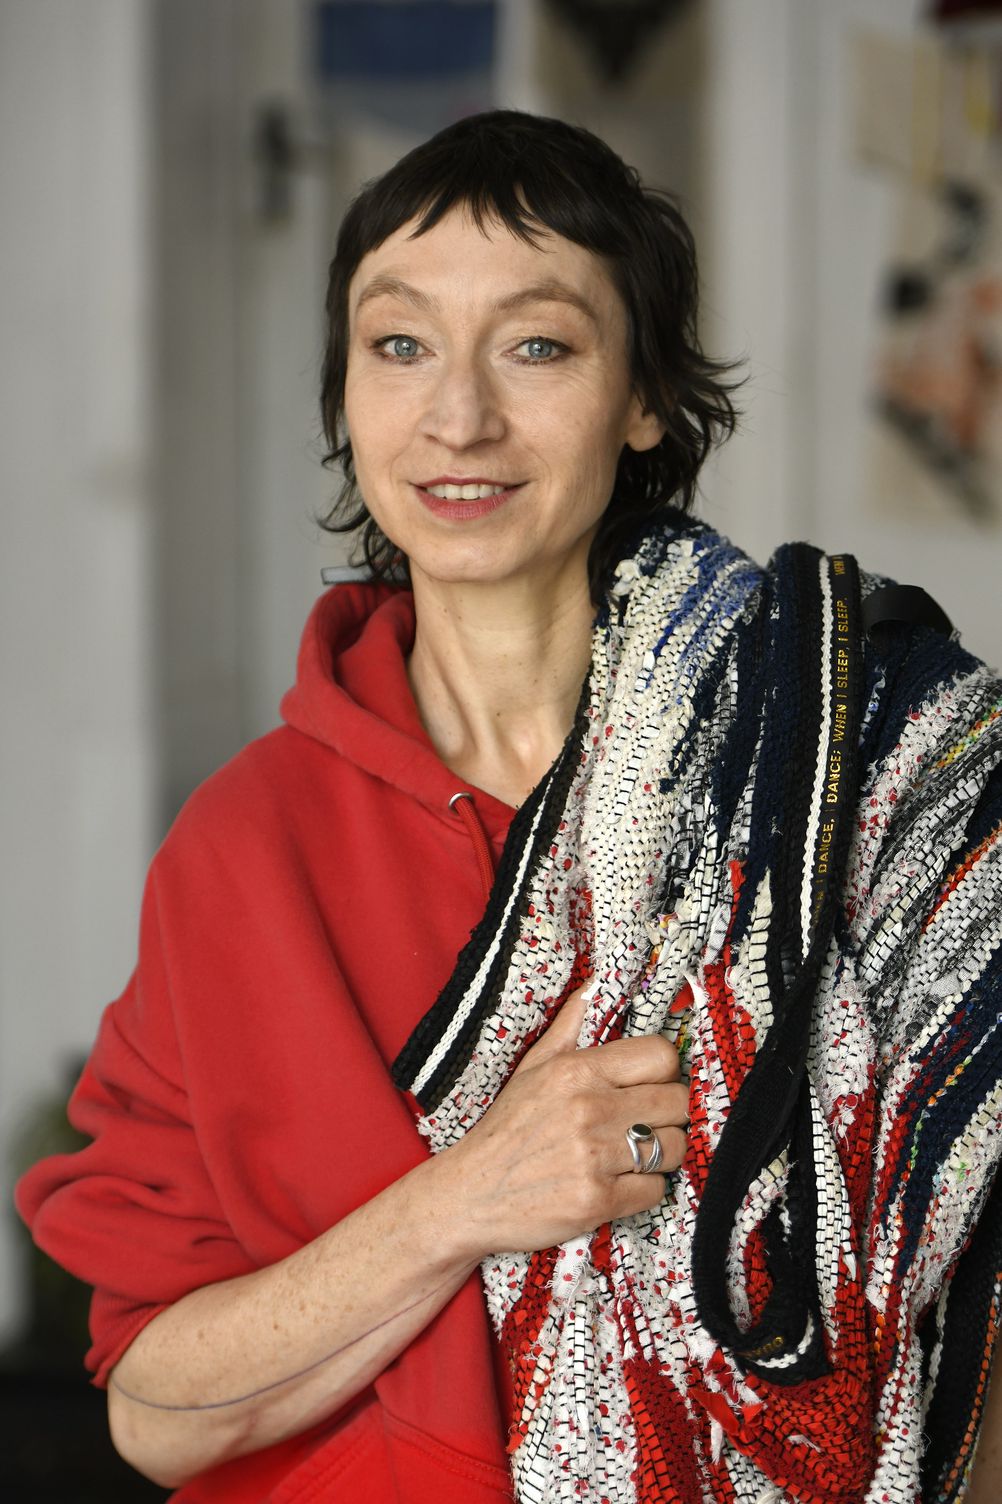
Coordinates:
398 339
543 351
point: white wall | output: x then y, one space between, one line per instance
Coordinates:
281 285
750 260
239 344
76 758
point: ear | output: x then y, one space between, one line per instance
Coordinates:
643 429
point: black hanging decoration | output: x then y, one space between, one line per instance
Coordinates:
965 10
613 31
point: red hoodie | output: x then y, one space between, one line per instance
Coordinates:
299 919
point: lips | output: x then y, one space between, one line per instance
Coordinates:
457 500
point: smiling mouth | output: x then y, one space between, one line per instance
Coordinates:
455 503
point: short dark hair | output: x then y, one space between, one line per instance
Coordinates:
531 172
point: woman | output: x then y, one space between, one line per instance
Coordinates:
734 1207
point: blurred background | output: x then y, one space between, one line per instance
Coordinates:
172 174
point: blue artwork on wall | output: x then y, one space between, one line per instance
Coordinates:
415 65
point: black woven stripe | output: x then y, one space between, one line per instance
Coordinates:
795 1299
773 1108
786 765
552 793
763 1112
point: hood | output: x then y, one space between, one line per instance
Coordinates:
352 693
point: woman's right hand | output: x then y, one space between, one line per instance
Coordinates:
549 1160
237 1365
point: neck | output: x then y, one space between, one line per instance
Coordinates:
496 671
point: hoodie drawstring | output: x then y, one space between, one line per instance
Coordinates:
464 806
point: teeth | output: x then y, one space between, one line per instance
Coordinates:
464 493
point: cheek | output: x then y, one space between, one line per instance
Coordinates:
375 425
564 429
360 405
595 449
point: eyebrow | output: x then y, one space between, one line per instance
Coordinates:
547 291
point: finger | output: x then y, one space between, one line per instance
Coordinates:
631 1062
663 1106
561 1035
638 1193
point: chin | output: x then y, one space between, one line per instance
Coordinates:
497 560
461 561
479 572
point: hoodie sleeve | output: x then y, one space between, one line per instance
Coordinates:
134 1213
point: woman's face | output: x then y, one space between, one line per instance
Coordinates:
480 361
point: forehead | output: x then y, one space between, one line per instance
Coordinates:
457 261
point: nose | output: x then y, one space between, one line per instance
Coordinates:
464 405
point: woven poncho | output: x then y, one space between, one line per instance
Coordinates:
780 847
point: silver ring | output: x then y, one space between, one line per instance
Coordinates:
643 1133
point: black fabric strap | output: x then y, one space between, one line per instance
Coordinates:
908 604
